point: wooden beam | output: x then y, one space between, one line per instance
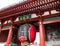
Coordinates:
51 15
26 21
35 19
51 21
5 29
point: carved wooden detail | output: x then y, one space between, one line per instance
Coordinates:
30 7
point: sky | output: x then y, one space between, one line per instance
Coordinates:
8 3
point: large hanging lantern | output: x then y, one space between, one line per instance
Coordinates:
27 32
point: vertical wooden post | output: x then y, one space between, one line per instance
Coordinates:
41 31
1 25
9 36
0 28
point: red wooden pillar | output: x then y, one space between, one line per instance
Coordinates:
0 28
10 33
41 31
9 36
1 25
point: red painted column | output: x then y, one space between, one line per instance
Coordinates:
0 29
41 30
1 26
9 36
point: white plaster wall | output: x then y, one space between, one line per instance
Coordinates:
2 44
37 40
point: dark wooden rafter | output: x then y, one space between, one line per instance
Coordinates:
36 5
58 8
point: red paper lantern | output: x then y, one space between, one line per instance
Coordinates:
32 33
27 32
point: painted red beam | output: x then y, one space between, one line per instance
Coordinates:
35 19
56 45
21 22
5 29
51 21
51 15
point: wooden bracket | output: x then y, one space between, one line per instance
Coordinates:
39 14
